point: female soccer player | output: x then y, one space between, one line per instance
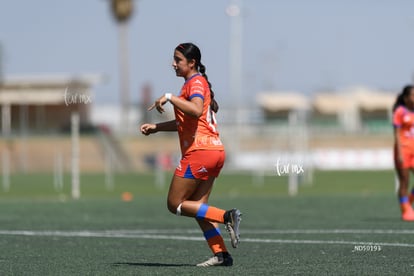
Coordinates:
403 121
203 153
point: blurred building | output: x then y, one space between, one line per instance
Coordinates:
353 109
278 105
335 109
44 103
374 107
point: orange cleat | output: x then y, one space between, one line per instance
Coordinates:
408 215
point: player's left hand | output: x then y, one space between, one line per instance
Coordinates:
148 129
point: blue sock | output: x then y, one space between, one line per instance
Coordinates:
403 199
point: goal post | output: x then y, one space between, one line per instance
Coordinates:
75 155
6 169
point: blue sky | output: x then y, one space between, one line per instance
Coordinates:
297 45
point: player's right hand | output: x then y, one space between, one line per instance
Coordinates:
158 104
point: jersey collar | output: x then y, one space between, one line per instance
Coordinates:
193 76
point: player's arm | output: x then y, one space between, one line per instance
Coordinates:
397 143
167 126
148 129
397 123
194 107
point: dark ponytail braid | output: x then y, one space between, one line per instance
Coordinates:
213 104
400 98
399 101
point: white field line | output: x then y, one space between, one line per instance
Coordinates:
333 231
156 234
244 231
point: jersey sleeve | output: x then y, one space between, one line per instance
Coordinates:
197 89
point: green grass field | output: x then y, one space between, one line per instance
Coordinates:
345 223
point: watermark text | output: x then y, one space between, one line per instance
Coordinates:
288 168
367 248
73 97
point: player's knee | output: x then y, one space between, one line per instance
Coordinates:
174 207
171 208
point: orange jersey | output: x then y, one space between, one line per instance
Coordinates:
403 120
197 133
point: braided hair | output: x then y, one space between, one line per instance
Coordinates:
401 97
191 51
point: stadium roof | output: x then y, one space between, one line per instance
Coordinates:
278 101
358 97
330 103
45 89
375 100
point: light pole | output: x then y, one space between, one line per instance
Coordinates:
5 131
122 11
234 11
5 107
